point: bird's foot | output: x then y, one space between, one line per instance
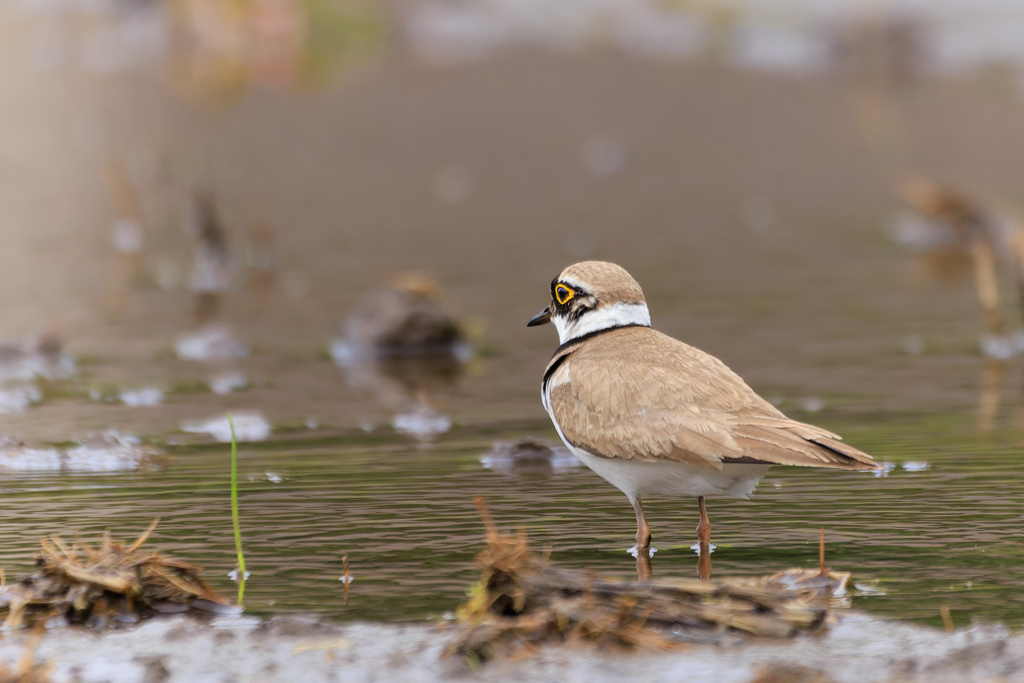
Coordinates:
634 552
696 548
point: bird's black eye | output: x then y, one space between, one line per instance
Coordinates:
563 294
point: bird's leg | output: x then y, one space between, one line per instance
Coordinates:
704 541
704 525
643 531
643 542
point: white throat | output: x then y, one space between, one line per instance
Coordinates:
602 318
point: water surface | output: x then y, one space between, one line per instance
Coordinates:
942 527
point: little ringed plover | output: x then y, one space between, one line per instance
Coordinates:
654 416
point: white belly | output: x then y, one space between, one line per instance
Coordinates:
669 478
666 477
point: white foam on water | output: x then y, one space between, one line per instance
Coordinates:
210 343
226 382
147 396
249 426
107 451
17 399
421 422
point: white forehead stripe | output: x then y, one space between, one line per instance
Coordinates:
575 284
603 317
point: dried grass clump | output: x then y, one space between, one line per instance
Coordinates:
521 602
83 582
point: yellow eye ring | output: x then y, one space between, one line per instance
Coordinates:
563 294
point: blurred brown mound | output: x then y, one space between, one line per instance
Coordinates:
529 455
959 234
953 224
521 602
404 318
83 583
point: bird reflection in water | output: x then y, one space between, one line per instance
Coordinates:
704 548
400 346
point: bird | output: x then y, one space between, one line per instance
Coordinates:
954 233
655 416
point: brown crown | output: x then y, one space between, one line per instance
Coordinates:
607 282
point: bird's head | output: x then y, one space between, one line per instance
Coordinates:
591 296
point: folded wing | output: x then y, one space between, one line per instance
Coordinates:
637 394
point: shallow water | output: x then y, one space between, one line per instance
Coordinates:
403 514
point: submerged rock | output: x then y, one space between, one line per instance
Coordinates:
147 396
16 399
108 452
103 452
401 347
15 456
35 358
1002 346
529 455
226 382
421 421
403 319
213 342
249 426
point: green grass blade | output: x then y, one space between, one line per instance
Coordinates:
234 511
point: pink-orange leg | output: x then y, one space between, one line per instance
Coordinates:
643 542
704 541
643 530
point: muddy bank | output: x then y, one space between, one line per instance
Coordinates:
858 649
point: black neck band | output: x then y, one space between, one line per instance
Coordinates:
590 335
558 360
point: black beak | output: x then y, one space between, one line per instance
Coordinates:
541 318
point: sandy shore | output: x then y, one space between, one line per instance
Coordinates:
857 649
